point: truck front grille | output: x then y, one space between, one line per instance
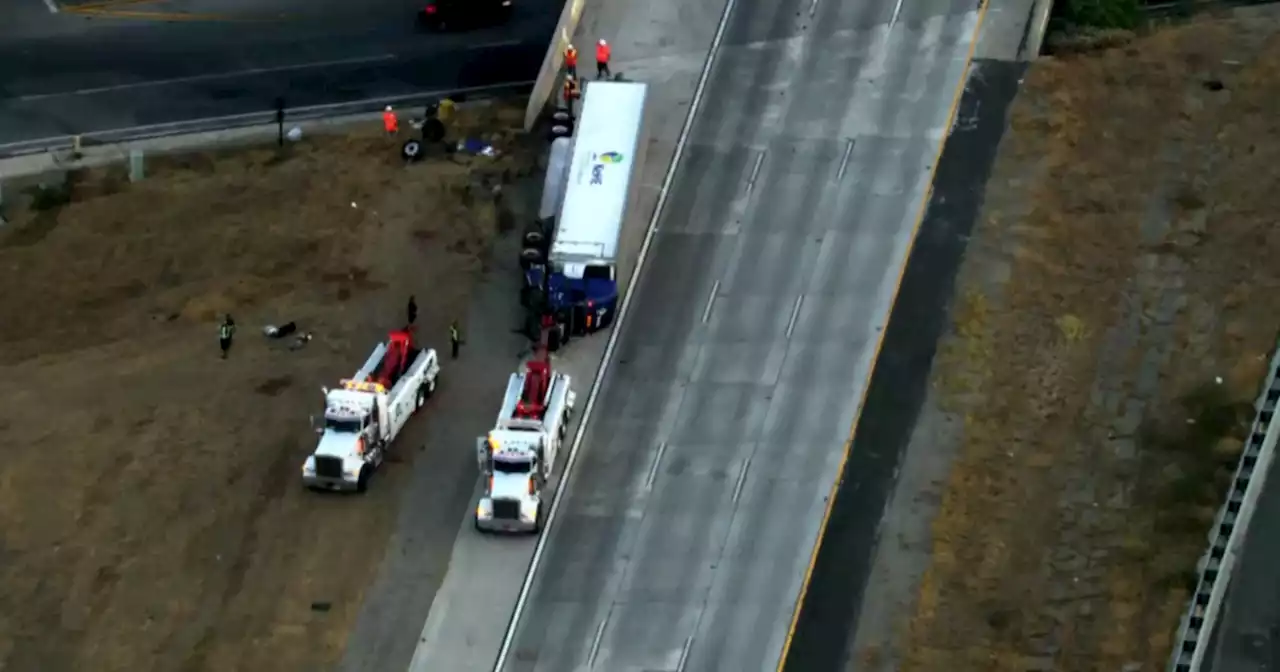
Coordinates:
506 509
328 466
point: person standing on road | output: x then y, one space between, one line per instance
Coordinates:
571 61
455 338
413 310
226 331
602 59
389 121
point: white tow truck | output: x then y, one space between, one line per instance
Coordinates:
365 413
518 455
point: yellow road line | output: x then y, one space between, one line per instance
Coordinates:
848 446
106 4
166 16
107 11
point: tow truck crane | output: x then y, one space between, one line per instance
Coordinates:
365 413
518 455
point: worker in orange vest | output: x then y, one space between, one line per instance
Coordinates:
570 92
389 121
571 61
602 59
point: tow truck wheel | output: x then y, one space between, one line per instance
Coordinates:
362 482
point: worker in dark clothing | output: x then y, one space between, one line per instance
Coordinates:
455 339
570 92
602 59
413 310
226 332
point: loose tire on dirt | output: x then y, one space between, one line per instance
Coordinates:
433 130
411 151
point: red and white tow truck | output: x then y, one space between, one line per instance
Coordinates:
365 413
518 455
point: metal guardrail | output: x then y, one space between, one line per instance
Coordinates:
292 115
1229 529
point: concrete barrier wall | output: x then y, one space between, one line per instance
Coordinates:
545 85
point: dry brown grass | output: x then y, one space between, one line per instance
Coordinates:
150 511
1135 210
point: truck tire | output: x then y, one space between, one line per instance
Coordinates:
362 481
421 399
534 236
530 256
537 526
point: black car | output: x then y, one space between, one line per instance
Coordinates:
451 14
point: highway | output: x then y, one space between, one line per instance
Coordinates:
80 71
685 533
1246 636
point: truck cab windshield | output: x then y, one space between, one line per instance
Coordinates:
342 426
512 466
597 272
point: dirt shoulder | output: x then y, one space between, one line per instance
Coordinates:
151 513
1124 263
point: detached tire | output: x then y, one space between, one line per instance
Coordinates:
411 151
433 130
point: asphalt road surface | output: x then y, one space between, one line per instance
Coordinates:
80 71
687 529
1246 637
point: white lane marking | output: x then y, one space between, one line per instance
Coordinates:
209 77
755 171
653 469
509 638
684 654
897 9
813 8
742 480
795 314
711 302
595 643
493 45
53 6
844 162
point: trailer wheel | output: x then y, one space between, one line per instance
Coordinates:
362 482
534 236
530 256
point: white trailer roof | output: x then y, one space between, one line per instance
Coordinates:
605 142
